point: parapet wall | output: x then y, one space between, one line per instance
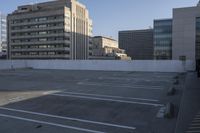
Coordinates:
12 64
103 65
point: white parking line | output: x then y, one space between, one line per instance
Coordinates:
195 121
70 118
50 123
136 79
123 86
195 124
194 127
108 99
108 96
111 84
193 131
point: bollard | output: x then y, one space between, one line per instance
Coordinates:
176 82
169 112
176 77
171 91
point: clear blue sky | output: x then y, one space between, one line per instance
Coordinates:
110 16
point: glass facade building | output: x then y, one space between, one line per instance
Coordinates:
3 32
163 39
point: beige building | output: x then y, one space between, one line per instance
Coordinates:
3 33
51 30
186 33
107 48
101 42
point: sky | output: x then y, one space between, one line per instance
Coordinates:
111 16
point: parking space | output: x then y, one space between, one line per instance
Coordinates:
86 101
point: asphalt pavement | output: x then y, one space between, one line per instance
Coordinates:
49 101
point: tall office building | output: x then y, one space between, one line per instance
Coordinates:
163 39
58 29
3 33
137 43
185 39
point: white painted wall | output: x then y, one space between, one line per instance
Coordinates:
12 64
105 65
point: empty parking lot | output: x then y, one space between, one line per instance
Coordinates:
49 101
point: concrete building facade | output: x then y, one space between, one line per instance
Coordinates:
198 38
137 43
163 39
107 48
185 39
3 33
58 29
101 42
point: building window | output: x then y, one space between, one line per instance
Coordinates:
43 46
42 19
67 38
33 46
51 53
42 26
42 53
33 26
33 53
51 39
43 39
59 38
67 45
34 40
42 33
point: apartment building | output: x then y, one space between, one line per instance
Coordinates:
3 33
58 29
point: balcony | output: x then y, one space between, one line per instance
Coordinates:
38 22
37 29
63 56
40 43
40 49
40 36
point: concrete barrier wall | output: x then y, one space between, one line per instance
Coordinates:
189 65
117 65
12 64
105 65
